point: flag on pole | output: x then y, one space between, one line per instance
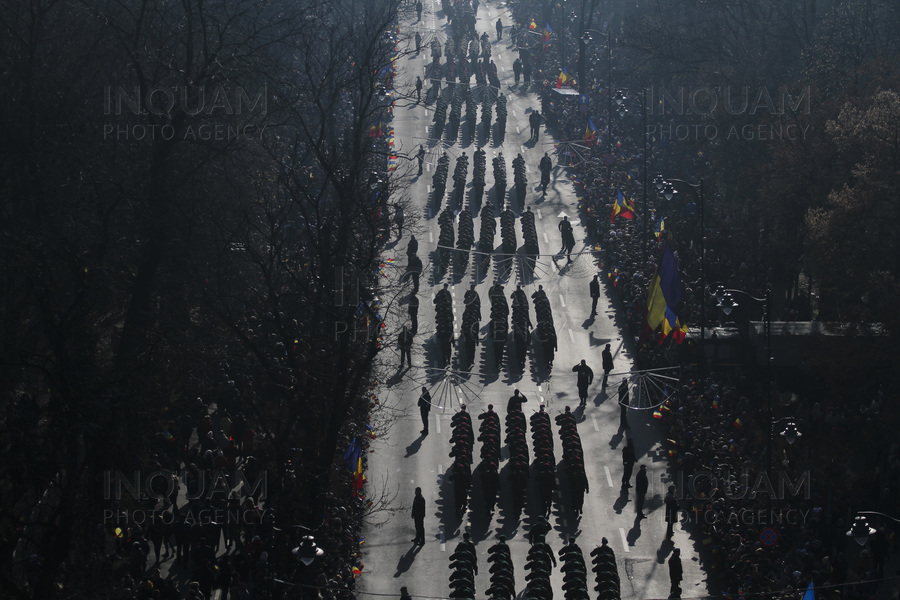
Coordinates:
353 453
664 296
589 131
547 31
809 594
660 227
622 208
563 77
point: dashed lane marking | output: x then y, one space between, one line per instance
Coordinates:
540 216
546 239
624 539
608 476
562 302
571 336
594 421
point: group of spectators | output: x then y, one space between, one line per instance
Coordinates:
719 432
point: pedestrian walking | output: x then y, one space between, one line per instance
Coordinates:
419 9
418 515
412 248
424 408
607 364
419 99
517 69
413 271
676 573
585 378
641 485
499 27
671 504
515 402
568 236
405 342
418 42
628 460
623 405
594 287
413 309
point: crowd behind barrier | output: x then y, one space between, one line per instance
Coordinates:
718 423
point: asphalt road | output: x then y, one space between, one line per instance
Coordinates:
405 459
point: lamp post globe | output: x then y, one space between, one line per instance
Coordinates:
860 530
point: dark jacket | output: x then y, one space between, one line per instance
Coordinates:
675 570
607 360
585 374
418 507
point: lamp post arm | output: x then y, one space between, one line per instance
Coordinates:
878 514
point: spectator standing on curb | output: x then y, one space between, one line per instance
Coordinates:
675 573
595 295
671 504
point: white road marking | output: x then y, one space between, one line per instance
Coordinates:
571 336
437 422
562 302
443 540
518 130
546 239
608 476
430 236
596 427
539 215
624 539
513 113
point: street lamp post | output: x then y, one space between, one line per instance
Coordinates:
727 304
860 531
586 38
620 101
667 187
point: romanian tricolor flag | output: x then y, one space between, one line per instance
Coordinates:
547 31
589 131
660 227
664 296
563 77
532 25
358 478
622 208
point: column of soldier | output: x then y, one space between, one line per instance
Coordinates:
546 332
530 239
489 436
462 440
463 49
544 459
521 326
518 452
573 459
471 323
443 315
